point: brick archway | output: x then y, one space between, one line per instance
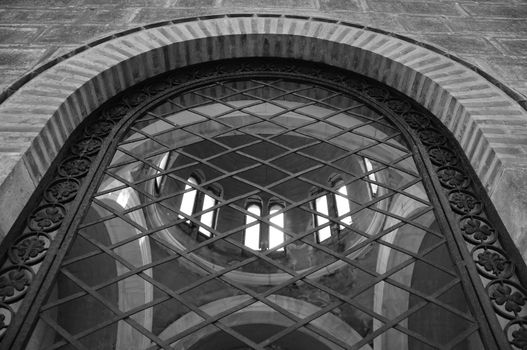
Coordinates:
58 99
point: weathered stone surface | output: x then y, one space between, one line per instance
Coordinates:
270 3
16 188
194 3
510 199
33 3
509 69
104 15
516 47
431 8
510 10
424 24
462 44
124 3
147 15
39 16
20 58
348 5
493 25
18 35
71 34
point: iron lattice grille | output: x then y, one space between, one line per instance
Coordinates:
384 274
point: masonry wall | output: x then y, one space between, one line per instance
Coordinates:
490 34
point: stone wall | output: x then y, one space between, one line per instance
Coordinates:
490 34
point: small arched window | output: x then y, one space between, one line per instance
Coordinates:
333 204
252 231
162 165
371 176
209 216
276 229
259 236
188 202
341 202
320 221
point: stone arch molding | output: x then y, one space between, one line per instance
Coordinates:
53 103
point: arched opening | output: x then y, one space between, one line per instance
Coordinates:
274 188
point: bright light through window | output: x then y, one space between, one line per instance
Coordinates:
276 236
252 233
187 203
162 165
208 217
321 205
372 177
343 206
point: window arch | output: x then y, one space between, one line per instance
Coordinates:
274 135
335 204
252 231
190 197
374 188
276 227
258 236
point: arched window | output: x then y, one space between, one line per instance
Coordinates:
201 204
209 216
212 169
162 165
276 229
264 236
371 176
189 200
320 221
335 204
340 201
252 231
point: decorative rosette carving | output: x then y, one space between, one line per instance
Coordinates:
62 190
464 202
398 106
452 178
6 317
431 137
355 84
416 120
14 283
157 87
135 98
477 230
100 128
516 332
30 249
176 80
492 262
115 112
507 297
47 218
74 167
377 93
442 156
87 146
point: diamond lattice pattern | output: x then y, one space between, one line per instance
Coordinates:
265 214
